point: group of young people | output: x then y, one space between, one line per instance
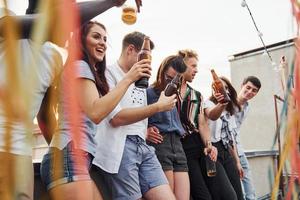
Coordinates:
141 143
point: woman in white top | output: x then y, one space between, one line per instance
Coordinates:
222 124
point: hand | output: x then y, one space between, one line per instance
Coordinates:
153 135
213 153
138 4
207 150
139 70
219 97
240 170
166 103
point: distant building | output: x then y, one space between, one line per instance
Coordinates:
258 130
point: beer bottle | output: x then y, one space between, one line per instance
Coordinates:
129 15
172 87
145 53
219 87
210 164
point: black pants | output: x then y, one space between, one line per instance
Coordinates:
193 147
226 185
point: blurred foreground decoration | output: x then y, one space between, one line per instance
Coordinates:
289 125
16 93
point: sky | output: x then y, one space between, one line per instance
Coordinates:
214 29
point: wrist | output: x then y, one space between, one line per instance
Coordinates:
127 80
222 105
208 144
158 107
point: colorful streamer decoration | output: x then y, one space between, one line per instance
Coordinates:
290 126
53 25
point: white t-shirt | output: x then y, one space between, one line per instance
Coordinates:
48 64
216 126
111 141
85 126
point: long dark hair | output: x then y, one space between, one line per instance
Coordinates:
99 72
174 61
233 104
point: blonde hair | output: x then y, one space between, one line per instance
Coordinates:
187 53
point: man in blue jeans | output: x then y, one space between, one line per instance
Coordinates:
249 89
129 166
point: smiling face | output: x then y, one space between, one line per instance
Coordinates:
248 91
96 43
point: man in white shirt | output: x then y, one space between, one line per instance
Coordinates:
19 107
130 166
250 87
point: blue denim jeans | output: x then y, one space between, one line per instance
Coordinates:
247 184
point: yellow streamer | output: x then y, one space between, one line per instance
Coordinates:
286 149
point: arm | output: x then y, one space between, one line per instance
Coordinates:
132 115
87 11
205 136
98 108
46 115
90 9
24 22
214 112
233 151
203 127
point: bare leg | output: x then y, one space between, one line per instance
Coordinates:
76 190
181 185
170 176
162 192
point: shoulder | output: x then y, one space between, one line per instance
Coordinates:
81 63
208 103
50 53
196 93
113 72
112 68
84 70
83 67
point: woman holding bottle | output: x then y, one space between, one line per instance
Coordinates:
220 113
65 168
169 149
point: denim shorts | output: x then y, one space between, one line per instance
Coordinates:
65 166
138 173
170 153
